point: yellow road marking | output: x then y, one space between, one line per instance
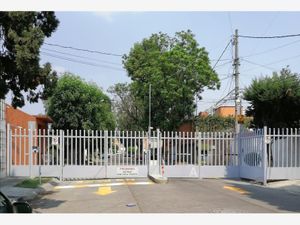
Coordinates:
104 191
102 185
91 181
236 189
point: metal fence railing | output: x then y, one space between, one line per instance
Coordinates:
2 139
261 154
283 147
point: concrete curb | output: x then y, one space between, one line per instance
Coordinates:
158 179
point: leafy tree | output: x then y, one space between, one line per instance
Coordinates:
128 108
177 69
214 123
76 104
21 36
275 101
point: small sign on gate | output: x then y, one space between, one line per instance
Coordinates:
127 171
55 140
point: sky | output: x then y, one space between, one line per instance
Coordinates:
116 32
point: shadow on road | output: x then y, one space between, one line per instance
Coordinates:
283 198
46 203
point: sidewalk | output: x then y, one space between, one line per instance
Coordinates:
292 186
7 187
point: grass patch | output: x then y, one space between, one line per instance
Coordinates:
33 183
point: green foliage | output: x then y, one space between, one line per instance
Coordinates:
177 69
213 123
275 101
33 182
21 36
127 107
76 104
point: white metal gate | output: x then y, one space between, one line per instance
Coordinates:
199 154
252 158
77 154
114 154
270 154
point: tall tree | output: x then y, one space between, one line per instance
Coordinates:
275 101
21 36
127 107
76 104
177 69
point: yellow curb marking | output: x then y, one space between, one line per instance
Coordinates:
104 191
92 181
103 185
236 189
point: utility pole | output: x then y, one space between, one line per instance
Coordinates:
149 108
149 132
236 64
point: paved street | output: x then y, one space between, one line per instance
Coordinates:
177 196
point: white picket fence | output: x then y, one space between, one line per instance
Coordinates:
259 155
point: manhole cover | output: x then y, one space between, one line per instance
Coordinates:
131 205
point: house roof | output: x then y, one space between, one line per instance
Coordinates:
44 118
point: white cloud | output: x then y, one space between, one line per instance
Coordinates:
107 16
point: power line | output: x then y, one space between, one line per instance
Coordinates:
269 37
223 64
265 31
271 49
80 56
84 50
81 62
271 63
257 64
222 54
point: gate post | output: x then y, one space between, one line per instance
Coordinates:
8 150
158 151
105 151
239 153
61 154
264 156
199 154
148 152
30 136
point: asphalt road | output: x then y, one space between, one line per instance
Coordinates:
177 196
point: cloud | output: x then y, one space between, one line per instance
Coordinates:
107 16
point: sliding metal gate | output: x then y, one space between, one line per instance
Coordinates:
115 154
199 154
77 154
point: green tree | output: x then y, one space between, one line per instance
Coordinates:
76 104
214 123
21 36
177 69
127 108
275 101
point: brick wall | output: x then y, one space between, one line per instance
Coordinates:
19 119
